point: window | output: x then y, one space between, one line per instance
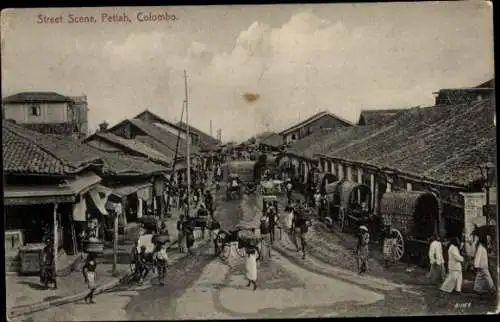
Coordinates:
294 137
35 110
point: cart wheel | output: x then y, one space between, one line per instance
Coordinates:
400 245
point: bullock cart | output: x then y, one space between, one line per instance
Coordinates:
414 217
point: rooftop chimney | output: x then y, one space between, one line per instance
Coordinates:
103 127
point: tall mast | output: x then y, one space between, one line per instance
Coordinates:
175 159
188 139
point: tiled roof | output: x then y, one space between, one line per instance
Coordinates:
314 118
370 117
147 114
274 140
133 145
441 143
52 128
164 137
205 138
33 97
119 163
29 152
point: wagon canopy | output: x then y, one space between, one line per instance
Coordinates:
244 169
324 179
414 213
348 193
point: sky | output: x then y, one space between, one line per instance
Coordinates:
293 60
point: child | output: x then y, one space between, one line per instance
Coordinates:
144 270
89 276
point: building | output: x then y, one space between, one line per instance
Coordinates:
107 141
46 177
206 141
48 112
319 121
452 96
151 118
371 117
271 142
437 149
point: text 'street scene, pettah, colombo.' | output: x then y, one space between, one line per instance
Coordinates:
240 162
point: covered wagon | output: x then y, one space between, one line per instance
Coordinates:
414 217
349 203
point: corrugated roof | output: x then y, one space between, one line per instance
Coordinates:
314 118
134 145
28 97
29 152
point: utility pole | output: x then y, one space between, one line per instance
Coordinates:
210 127
188 157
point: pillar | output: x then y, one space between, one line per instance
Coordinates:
349 173
376 194
341 172
408 186
388 187
360 175
332 167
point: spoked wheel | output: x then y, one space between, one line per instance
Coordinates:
399 250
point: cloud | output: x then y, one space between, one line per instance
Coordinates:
307 64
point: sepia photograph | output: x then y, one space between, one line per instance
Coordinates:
249 161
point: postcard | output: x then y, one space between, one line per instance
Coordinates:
249 161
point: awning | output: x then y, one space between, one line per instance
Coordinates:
98 202
42 194
123 191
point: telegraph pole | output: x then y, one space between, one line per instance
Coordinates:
188 162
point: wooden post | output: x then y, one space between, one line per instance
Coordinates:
372 189
56 237
116 214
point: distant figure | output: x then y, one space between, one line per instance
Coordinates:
389 245
251 266
181 237
453 280
160 261
47 273
362 249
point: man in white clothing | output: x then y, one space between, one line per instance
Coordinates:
454 279
436 261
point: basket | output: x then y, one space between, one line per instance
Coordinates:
93 246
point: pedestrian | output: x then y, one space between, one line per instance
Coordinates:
89 276
189 232
160 261
317 201
483 283
362 249
265 234
134 258
436 261
214 231
181 238
48 273
289 190
143 264
453 280
251 266
273 218
389 247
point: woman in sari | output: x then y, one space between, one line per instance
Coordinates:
251 266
